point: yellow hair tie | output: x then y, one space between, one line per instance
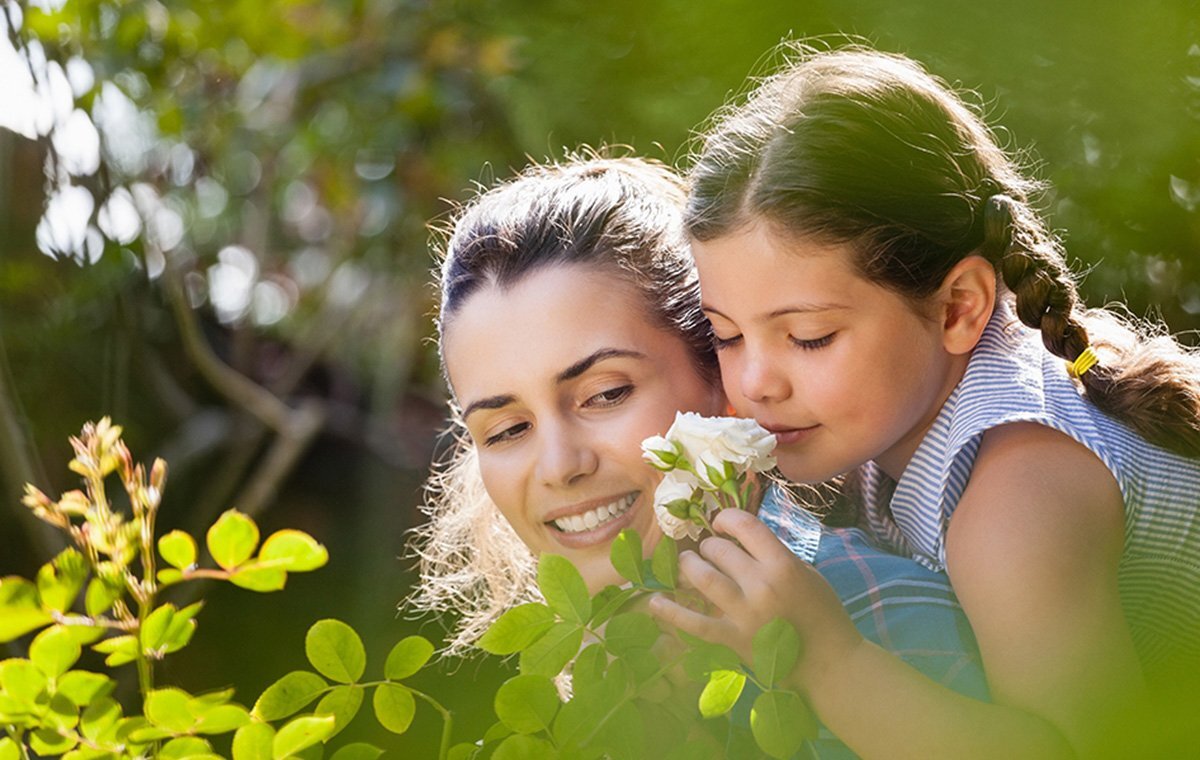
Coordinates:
1085 361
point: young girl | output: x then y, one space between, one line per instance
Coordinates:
884 297
570 330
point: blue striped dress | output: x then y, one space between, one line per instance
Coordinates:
1011 377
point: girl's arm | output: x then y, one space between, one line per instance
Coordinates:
1037 580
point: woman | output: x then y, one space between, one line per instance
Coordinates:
570 330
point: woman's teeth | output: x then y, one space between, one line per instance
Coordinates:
596 517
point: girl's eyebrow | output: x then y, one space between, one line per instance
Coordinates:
570 373
802 308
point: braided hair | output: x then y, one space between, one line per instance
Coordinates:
858 147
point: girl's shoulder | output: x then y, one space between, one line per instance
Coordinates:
1037 494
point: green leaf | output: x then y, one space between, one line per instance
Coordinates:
120 650
721 692
232 539
47 741
293 550
83 687
257 576
549 655
780 722
623 734
563 588
178 549
608 601
776 648
335 650
154 628
626 555
9 750
20 609
54 651
630 630
22 680
463 751
60 580
408 656
61 714
527 703
99 718
358 751
168 577
517 628
289 695
665 562
184 747
100 596
168 708
703 657
394 707
521 747
253 742
589 667
301 733
343 703
218 719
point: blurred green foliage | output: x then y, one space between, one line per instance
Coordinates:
267 329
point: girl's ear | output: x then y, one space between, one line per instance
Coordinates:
968 295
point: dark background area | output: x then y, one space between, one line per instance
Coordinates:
287 157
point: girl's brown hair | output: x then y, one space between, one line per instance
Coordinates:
865 148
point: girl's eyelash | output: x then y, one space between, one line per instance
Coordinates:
506 434
720 343
810 345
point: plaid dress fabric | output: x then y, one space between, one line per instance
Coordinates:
894 601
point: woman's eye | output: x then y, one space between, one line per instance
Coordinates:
720 343
811 345
507 434
610 397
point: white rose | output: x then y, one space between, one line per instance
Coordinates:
669 490
713 441
660 453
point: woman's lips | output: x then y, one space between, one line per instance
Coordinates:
603 533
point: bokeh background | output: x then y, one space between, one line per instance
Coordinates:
214 227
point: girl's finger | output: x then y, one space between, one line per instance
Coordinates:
688 621
752 534
715 585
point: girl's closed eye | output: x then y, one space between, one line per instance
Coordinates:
812 345
722 343
509 433
609 397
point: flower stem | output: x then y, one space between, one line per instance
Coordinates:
447 723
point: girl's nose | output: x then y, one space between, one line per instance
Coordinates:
760 381
567 455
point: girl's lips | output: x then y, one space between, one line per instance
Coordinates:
786 436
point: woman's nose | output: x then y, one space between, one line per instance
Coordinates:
567 454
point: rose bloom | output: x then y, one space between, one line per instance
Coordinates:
713 441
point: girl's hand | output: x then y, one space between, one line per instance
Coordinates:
751 578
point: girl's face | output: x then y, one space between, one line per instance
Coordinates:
560 378
841 369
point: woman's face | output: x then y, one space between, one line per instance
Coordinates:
560 378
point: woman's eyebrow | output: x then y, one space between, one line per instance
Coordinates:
570 373
491 402
583 365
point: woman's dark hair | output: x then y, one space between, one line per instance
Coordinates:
859 147
623 215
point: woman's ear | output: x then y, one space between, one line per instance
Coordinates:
967 298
